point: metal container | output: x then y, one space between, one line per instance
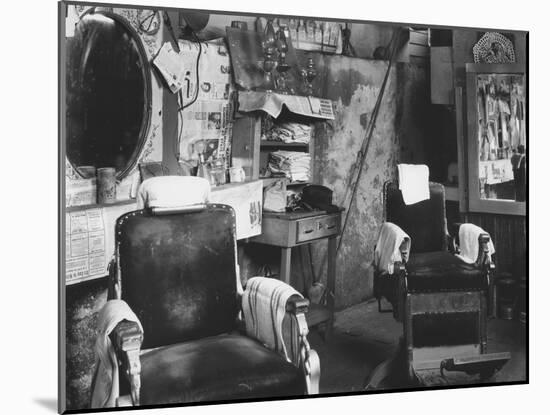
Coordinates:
506 311
522 301
507 296
106 185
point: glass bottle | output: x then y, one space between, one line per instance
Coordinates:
202 168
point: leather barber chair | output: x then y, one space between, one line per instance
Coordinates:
441 300
176 269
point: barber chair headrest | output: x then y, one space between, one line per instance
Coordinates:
171 194
414 182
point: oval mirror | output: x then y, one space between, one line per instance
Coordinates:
108 94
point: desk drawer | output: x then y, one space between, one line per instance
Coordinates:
317 227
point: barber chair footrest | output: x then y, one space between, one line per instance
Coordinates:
485 364
463 370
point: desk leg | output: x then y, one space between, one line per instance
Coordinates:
285 264
331 282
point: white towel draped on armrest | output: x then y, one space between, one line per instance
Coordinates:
173 192
414 182
264 307
468 239
105 387
388 245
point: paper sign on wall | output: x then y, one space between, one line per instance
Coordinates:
85 244
169 64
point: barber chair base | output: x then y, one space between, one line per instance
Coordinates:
392 372
474 368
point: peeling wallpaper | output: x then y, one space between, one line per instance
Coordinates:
353 85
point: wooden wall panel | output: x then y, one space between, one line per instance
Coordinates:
509 234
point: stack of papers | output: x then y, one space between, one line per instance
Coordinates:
295 165
290 132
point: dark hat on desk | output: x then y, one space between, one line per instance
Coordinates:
319 197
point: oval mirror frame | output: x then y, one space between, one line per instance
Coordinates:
145 70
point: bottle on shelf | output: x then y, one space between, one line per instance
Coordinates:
202 169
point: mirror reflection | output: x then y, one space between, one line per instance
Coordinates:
501 136
108 95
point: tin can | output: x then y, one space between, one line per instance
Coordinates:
106 185
507 311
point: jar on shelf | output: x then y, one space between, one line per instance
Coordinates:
217 173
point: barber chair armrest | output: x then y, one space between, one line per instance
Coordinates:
297 305
309 360
400 273
393 287
127 338
484 259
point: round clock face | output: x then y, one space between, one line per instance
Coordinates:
149 21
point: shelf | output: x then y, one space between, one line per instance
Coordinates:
268 180
271 144
99 205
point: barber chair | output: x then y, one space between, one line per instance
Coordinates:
441 300
177 270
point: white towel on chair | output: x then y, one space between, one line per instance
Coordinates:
414 182
105 387
173 192
468 239
264 307
387 251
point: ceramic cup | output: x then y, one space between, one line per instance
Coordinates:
236 175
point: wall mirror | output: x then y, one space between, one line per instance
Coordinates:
497 138
108 94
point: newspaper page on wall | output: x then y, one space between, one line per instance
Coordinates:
85 245
206 123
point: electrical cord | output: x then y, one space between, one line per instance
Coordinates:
182 107
197 76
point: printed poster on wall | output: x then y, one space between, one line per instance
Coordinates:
246 199
206 123
84 244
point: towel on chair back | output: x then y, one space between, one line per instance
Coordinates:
414 182
105 387
264 307
387 251
173 192
468 239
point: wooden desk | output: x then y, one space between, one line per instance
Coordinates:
288 230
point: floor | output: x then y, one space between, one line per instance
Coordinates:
363 338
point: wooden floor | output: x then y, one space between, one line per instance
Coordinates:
363 338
